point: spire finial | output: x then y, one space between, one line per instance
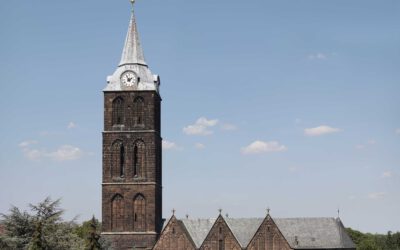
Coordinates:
173 210
220 211
338 213
133 4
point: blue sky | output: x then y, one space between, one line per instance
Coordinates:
292 105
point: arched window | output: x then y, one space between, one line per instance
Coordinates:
139 158
139 213
139 110
118 111
117 213
118 159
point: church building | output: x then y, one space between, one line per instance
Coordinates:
132 180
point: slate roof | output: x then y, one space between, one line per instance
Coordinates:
132 52
198 229
244 229
314 233
301 233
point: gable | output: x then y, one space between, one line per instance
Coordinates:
220 237
174 237
268 237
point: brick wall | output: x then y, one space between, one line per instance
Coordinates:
139 125
220 235
268 237
174 237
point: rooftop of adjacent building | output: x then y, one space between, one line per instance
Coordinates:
300 233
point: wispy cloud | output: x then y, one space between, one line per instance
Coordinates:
351 197
71 125
365 145
66 153
321 130
25 144
376 195
387 174
259 147
62 153
317 56
294 169
397 131
228 127
168 145
201 127
199 146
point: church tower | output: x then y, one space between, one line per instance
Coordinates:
132 188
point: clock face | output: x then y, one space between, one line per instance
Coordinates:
129 78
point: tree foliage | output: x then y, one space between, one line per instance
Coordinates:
42 229
367 241
90 232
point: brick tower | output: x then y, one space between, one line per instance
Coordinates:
132 188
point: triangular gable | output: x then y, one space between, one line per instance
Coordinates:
174 236
268 236
220 233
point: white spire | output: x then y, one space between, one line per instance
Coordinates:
132 61
133 52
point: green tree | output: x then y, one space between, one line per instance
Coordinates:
93 239
37 241
368 244
44 229
19 229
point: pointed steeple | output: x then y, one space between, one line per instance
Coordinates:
132 52
133 63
